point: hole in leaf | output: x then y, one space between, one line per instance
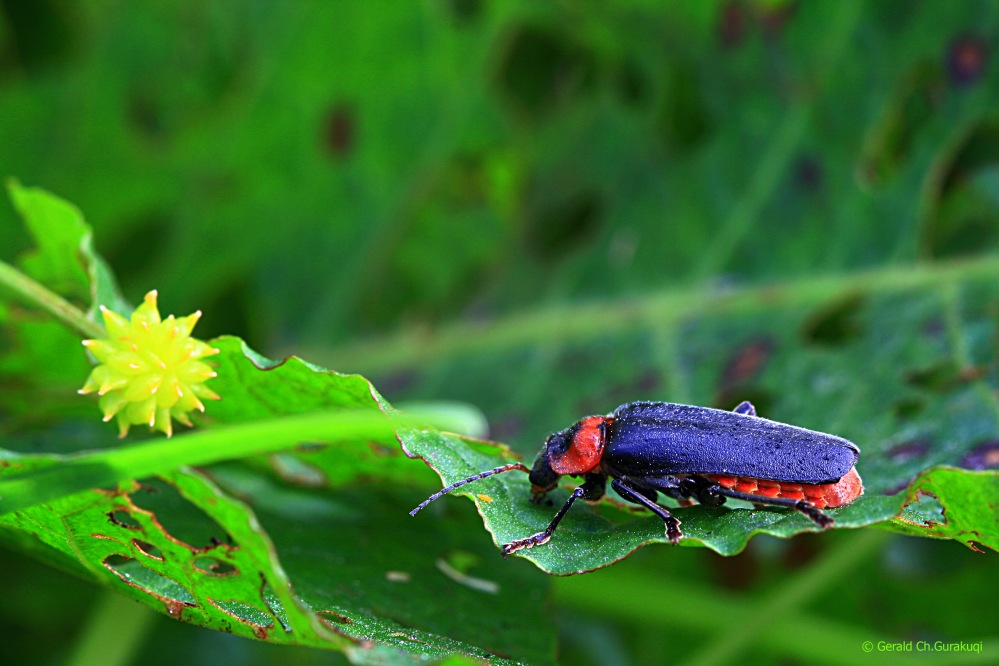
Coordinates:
464 11
965 229
564 225
925 511
333 616
632 86
179 518
942 376
906 408
135 574
213 566
540 70
837 324
890 141
123 518
684 120
965 220
40 33
982 457
148 549
245 613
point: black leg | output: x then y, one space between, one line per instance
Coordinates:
681 488
633 495
589 490
745 407
816 515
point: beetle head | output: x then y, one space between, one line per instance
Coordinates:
543 478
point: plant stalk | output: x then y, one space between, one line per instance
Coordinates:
34 293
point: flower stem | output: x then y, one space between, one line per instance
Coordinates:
31 292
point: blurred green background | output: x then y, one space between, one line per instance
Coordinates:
399 189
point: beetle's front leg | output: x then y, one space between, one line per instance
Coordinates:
592 489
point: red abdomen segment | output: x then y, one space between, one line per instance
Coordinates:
829 495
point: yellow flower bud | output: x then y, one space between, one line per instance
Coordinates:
149 369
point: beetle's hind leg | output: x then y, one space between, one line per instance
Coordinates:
707 495
640 495
686 489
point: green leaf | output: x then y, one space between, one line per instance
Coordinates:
64 259
186 547
801 352
61 270
310 554
751 207
590 539
58 230
964 507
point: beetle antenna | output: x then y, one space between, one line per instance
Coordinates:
481 475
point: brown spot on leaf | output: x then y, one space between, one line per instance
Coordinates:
340 130
982 457
808 173
967 57
732 21
906 451
746 362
